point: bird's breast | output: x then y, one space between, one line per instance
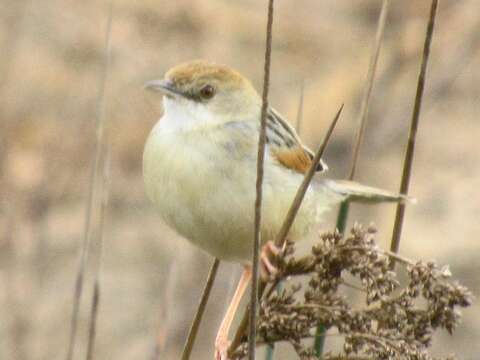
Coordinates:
199 191
203 185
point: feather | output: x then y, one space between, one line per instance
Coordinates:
354 191
286 147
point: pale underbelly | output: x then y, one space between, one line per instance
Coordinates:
213 207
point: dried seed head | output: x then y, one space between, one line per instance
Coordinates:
389 324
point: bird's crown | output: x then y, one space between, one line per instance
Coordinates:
201 71
201 87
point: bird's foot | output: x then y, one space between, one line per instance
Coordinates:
221 348
269 251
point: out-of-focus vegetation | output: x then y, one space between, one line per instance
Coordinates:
50 62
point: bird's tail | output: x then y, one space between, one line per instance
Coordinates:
353 191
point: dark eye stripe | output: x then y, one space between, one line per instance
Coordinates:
192 96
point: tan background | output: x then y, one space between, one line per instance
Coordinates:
51 56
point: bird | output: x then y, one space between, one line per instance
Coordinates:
199 169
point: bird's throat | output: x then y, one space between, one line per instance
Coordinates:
182 115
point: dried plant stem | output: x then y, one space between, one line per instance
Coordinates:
96 284
398 258
258 205
258 199
362 118
407 164
15 321
192 334
362 121
92 196
165 313
299 119
287 223
297 201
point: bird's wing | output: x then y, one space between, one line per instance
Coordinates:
286 147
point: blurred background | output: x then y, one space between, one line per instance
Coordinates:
51 61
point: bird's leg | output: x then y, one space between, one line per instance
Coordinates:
268 269
269 250
221 342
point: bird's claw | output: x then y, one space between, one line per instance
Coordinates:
221 349
268 251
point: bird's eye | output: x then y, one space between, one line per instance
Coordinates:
207 92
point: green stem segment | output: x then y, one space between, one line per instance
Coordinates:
270 350
341 225
344 207
343 216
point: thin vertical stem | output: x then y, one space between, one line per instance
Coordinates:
85 248
192 334
259 183
299 120
96 284
297 201
362 121
168 301
407 164
289 218
362 117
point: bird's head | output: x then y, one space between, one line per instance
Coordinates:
207 92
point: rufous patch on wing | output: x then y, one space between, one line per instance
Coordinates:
294 158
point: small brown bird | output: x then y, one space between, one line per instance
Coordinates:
199 169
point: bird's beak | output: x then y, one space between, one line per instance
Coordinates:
164 86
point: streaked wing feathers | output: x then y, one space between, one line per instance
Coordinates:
286 146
